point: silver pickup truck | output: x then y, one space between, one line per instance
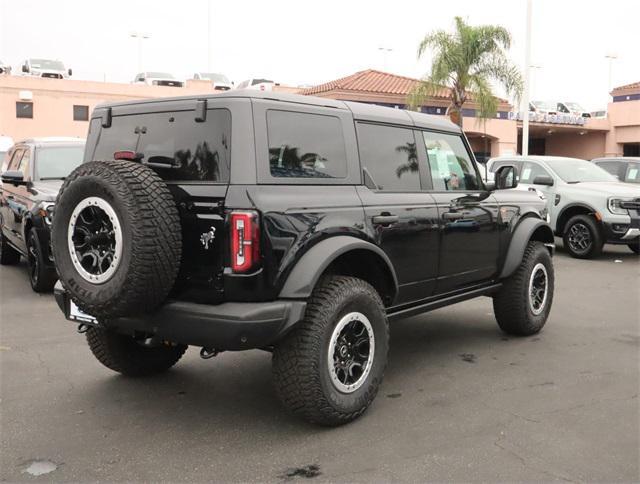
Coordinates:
588 207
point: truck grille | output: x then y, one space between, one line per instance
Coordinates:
631 204
52 76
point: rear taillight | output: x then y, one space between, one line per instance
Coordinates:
245 241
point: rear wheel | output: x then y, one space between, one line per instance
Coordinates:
329 368
8 255
42 278
523 303
130 356
582 237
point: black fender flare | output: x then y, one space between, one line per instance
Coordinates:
582 205
522 234
312 264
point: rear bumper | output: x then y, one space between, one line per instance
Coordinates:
227 326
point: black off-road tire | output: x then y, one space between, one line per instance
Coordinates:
125 355
151 238
300 361
634 247
41 276
8 255
595 232
512 306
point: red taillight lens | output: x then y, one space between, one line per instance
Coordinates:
245 241
126 155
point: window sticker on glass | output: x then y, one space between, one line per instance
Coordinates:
633 174
525 174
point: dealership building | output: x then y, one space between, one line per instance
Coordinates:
31 106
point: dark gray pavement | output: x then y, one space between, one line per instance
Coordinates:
460 400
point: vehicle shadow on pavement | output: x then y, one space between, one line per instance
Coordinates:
236 388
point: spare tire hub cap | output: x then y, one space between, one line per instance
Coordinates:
95 240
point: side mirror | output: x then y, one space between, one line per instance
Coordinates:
25 68
543 180
13 176
70 72
506 177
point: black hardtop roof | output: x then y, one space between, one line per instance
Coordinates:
360 111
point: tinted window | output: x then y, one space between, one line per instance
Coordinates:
616 168
305 145
389 156
530 171
451 166
80 113
173 144
24 110
56 162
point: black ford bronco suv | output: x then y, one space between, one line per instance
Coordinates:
297 225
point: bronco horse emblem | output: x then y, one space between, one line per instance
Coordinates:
208 237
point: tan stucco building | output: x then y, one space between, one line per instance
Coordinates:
31 106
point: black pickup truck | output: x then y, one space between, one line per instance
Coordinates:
31 175
296 225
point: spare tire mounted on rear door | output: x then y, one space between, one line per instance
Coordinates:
116 238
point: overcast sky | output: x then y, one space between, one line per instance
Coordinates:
298 42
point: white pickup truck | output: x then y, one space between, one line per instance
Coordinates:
588 207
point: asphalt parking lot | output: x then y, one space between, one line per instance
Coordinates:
460 401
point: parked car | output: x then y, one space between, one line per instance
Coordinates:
572 108
220 81
54 69
542 107
32 173
257 84
303 242
626 168
588 207
5 68
157 79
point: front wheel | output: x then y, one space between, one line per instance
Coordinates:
130 356
523 303
327 370
635 247
42 278
582 237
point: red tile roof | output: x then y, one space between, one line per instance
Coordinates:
633 85
374 81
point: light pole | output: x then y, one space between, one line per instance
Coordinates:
525 97
208 35
140 37
385 52
610 58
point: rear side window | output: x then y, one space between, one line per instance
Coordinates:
303 145
389 156
176 146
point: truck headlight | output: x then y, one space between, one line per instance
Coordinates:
46 212
614 206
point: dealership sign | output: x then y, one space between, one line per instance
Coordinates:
549 118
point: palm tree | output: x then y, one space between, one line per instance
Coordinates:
466 62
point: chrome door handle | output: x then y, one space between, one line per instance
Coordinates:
385 219
452 215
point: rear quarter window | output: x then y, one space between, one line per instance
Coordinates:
175 146
304 145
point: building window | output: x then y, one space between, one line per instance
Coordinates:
24 110
80 113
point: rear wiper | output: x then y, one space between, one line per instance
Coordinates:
53 178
